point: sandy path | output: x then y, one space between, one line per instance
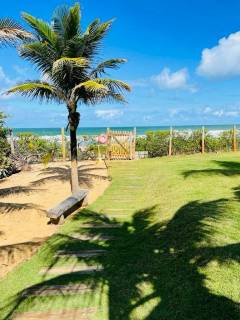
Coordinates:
24 199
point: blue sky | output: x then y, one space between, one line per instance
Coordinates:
183 63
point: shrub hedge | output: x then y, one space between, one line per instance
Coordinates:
37 148
183 142
4 145
5 162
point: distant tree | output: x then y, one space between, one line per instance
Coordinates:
66 56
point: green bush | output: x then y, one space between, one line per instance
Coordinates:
141 144
92 150
4 145
221 143
37 148
157 142
186 142
6 165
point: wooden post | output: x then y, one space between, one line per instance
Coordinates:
203 140
234 139
134 141
11 141
63 145
108 144
170 142
131 145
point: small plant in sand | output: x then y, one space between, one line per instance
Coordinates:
66 55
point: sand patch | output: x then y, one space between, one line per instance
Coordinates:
24 199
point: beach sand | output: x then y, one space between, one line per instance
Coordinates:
24 199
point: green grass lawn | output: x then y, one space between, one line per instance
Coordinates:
175 256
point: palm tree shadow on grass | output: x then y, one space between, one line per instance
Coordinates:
85 173
163 257
227 168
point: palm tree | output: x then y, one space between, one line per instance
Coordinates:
66 56
11 32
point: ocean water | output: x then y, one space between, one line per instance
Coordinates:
99 130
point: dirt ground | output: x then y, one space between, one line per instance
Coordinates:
24 199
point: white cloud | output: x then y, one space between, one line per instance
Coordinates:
173 112
171 80
223 60
221 112
174 80
232 113
166 80
207 110
218 113
108 113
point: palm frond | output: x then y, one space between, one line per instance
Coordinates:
108 64
72 27
109 97
10 32
40 54
92 26
91 85
92 37
43 29
59 20
66 62
66 21
117 86
115 97
37 89
88 87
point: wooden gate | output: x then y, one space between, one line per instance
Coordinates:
121 144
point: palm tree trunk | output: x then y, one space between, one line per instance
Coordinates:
73 119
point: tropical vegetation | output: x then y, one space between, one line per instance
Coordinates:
67 56
35 148
5 162
157 142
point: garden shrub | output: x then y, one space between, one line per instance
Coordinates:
141 144
183 142
94 148
4 145
186 142
6 166
221 143
91 152
157 143
36 148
